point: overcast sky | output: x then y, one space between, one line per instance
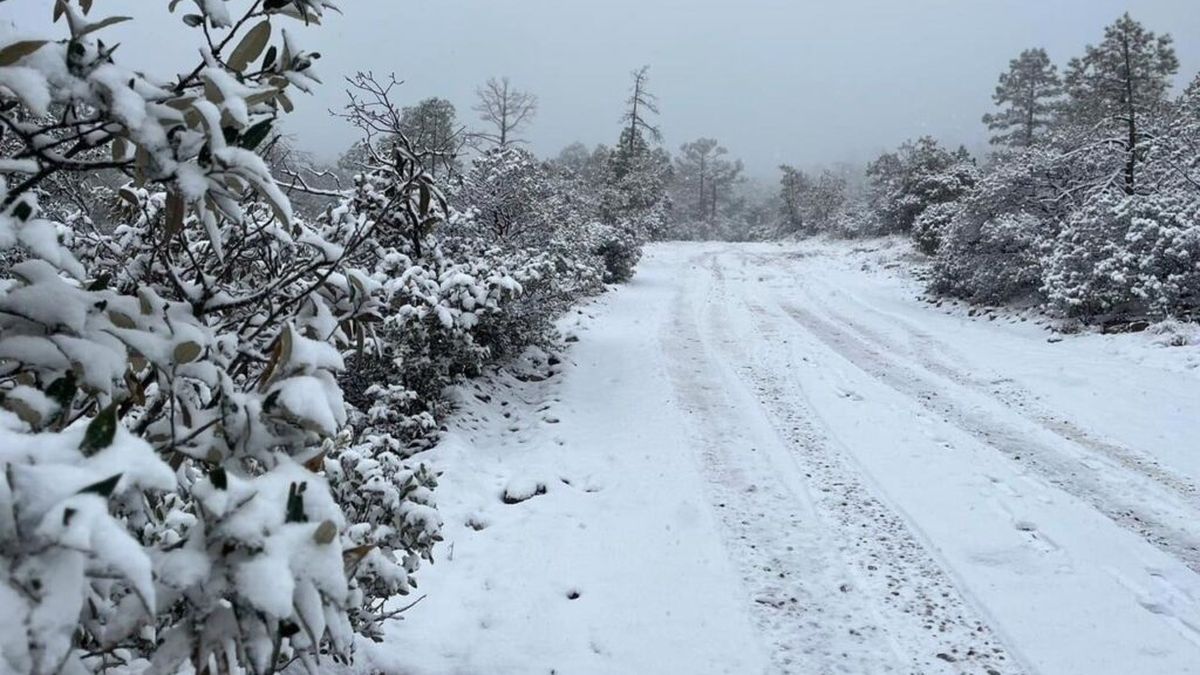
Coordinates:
807 82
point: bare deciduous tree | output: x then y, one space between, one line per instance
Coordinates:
505 109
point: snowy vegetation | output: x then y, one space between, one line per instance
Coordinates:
215 404
1088 206
223 366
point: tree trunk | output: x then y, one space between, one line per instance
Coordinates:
1130 120
1031 105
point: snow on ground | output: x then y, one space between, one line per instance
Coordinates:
777 458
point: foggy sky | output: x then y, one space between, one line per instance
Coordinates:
808 82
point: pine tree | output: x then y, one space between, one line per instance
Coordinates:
810 205
794 186
1115 85
704 177
641 104
1026 95
431 126
639 171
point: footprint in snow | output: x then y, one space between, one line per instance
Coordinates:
1036 537
522 489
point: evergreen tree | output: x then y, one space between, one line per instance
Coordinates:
704 178
794 185
431 125
811 205
641 104
1027 96
1117 84
638 177
638 172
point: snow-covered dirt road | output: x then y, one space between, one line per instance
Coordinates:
763 458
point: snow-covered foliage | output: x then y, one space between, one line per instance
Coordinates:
538 212
811 205
464 281
1097 218
1100 220
918 176
1127 255
635 190
704 190
989 258
170 385
1087 208
991 246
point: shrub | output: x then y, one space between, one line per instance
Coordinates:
1127 255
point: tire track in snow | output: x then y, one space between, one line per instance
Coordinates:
1129 499
923 609
852 571
794 588
1008 393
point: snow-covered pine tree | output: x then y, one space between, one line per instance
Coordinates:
903 185
1117 85
432 125
1028 98
704 179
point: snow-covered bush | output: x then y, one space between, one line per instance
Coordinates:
990 259
542 227
856 221
1172 332
920 175
620 249
1127 255
396 523
169 383
928 230
992 246
70 553
517 204
509 196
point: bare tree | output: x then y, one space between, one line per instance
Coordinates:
640 104
505 109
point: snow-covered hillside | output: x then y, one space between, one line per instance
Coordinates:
777 458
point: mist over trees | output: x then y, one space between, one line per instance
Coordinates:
1028 96
504 110
704 180
432 124
1087 206
223 364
